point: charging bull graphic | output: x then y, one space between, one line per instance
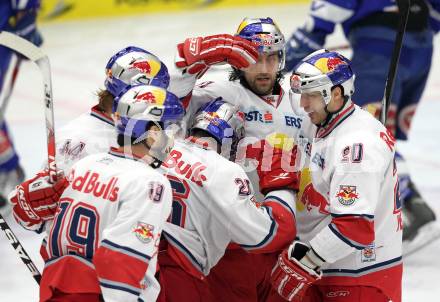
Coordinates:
308 197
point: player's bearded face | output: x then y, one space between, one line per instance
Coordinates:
261 76
314 105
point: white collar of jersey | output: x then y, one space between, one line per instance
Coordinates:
273 99
96 112
336 120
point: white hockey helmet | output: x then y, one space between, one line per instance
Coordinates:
321 71
138 107
132 66
224 122
264 33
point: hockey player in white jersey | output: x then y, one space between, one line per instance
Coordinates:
370 28
350 225
90 133
104 238
93 132
257 90
213 205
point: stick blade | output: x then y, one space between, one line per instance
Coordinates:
21 46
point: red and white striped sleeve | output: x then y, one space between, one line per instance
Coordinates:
129 245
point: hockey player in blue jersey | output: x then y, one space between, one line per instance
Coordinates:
18 17
370 27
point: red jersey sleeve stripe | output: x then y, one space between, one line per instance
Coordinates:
356 230
283 228
125 250
119 267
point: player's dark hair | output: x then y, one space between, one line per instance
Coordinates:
124 140
330 115
105 100
196 132
237 74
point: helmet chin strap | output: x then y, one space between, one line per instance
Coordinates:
155 163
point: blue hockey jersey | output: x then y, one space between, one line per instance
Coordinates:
9 8
325 14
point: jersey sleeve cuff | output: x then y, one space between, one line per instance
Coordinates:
329 246
287 197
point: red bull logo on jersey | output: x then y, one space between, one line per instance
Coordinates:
347 195
143 66
313 199
91 183
308 197
144 232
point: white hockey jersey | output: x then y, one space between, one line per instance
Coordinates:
271 117
214 204
107 228
348 207
90 133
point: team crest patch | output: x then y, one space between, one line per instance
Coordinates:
369 254
144 232
347 195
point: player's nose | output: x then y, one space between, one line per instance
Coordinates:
304 102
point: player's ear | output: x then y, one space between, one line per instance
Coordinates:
337 92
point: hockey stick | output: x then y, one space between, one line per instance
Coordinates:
34 53
6 92
20 250
404 6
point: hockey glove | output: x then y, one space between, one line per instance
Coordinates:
36 200
296 270
196 55
301 44
276 166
